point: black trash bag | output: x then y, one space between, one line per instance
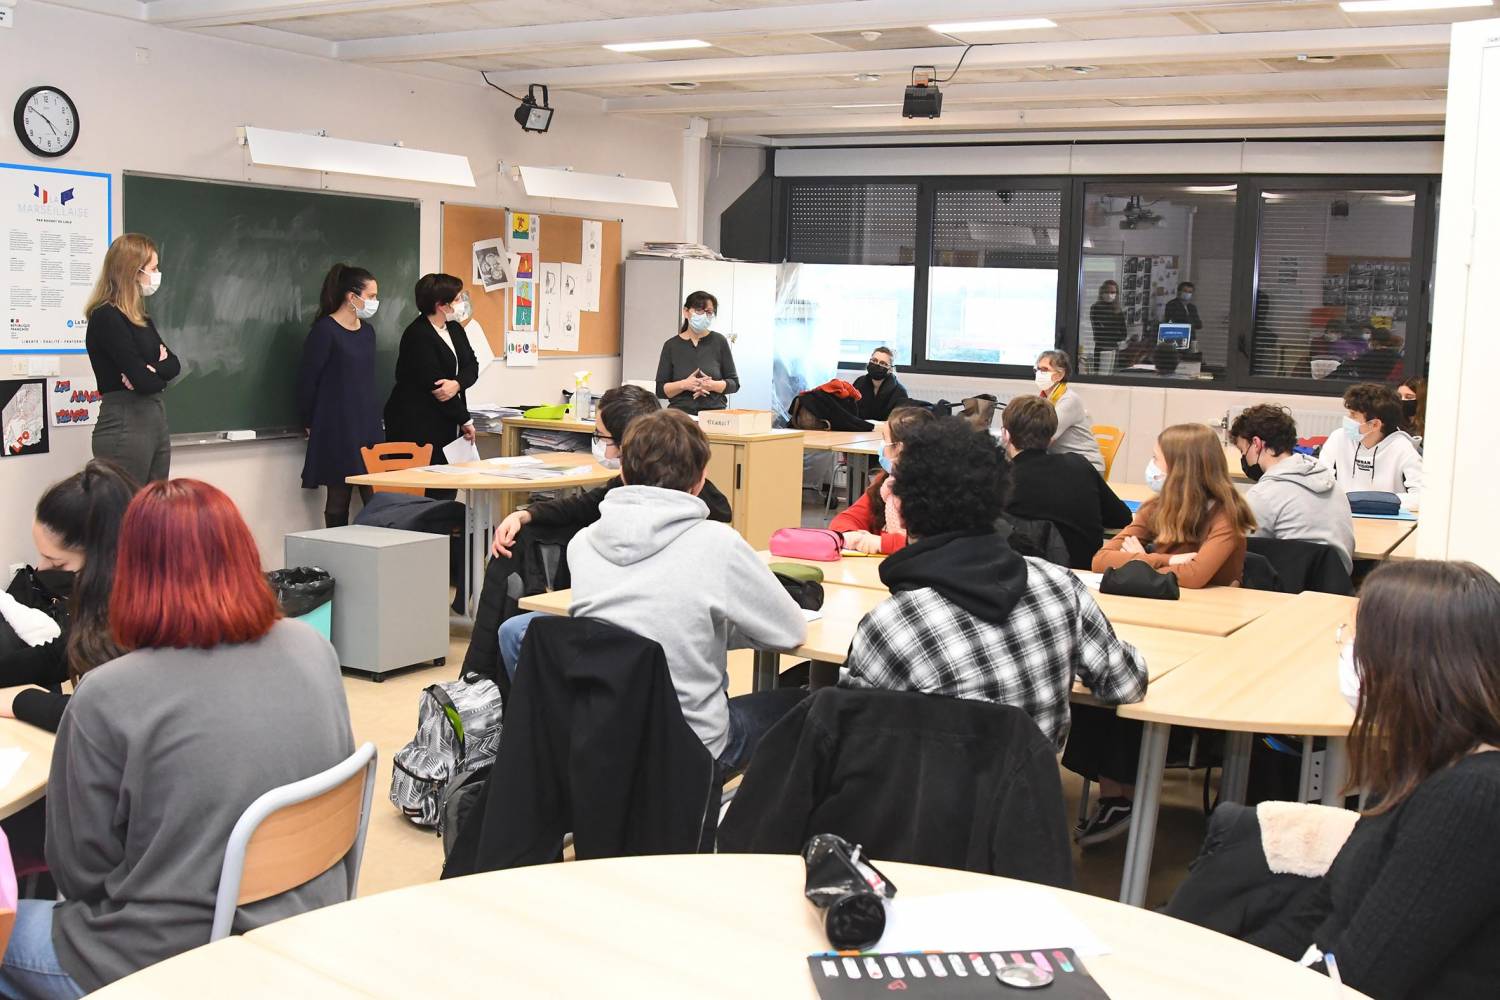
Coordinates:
301 589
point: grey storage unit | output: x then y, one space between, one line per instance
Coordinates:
390 590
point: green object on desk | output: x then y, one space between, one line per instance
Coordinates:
555 411
798 571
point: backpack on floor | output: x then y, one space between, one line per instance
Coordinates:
458 731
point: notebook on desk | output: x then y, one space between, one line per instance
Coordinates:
951 975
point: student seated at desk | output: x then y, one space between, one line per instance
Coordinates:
1372 452
162 749
1063 489
880 391
77 523
655 565
1410 906
867 525
1294 496
1196 524
968 617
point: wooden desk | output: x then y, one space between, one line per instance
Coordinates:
1139 492
1276 675
1406 550
231 969
1163 649
859 446
479 489
1377 538
1212 611
30 782
645 927
758 473
836 440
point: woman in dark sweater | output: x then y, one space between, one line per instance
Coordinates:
130 362
1411 905
1108 322
696 369
336 389
436 364
77 523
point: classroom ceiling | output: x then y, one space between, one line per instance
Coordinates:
781 68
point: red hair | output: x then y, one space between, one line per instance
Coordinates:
188 573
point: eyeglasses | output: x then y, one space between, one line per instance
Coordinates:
880 364
701 312
603 439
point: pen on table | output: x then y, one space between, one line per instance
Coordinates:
1332 967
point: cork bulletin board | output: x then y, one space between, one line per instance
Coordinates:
561 243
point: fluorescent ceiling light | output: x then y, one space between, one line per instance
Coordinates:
551 182
680 43
301 151
1396 6
978 27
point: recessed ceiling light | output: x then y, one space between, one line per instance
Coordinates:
1394 6
1081 69
683 85
870 36
980 27
867 77
680 43
1211 188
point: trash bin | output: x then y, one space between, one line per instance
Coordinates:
306 594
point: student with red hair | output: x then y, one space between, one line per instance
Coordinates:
216 700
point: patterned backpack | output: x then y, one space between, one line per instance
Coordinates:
458 731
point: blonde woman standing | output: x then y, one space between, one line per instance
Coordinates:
130 362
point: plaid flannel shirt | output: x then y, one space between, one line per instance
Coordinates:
921 641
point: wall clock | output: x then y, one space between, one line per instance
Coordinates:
46 121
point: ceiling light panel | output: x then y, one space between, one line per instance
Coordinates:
986 27
669 45
1401 6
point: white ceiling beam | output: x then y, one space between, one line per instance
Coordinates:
288 41
1017 55
1252 132
1183 116
207 13
1223 85
863 15
132 9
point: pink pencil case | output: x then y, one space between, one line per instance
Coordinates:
817 544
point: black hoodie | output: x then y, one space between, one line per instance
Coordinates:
978 571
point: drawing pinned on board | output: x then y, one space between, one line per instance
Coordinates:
520 349
549 307
23 422
490 267
523 306
523 265
523 231
74 402
572 306
592 254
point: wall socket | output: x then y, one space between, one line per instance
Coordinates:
7 17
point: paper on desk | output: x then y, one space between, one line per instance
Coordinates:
11 759
445 470
986 920
1089 580
811 616
510 463
461 450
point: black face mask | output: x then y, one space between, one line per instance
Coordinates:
1409 408
59 582
1252 472
877 372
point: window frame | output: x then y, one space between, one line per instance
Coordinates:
1245 280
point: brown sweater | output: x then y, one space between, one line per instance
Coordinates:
1220 561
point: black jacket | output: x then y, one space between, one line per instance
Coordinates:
817 410
413 413
877 405
913 777
1109 326
1178 311
1302 565
1068 491
594 743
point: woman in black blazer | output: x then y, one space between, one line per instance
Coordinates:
433 369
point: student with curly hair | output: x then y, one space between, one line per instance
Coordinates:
968 617
1372 452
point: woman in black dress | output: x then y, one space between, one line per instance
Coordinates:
1108 321
336 389
435 366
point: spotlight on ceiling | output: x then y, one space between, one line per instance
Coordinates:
534 115
923 99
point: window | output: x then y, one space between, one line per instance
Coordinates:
1333 284
1142 243
865 223
859 307
992 286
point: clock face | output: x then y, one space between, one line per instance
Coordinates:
46 121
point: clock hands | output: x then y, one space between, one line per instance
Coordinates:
47 120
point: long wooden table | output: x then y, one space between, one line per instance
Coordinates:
732 926
30 782
1278 674
859 447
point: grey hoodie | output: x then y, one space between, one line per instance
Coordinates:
1299 499
654 564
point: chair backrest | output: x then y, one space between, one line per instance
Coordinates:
390 456
1303 565
292 834
1109 439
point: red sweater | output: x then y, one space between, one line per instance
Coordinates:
860 517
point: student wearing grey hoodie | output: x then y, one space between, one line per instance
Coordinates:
656 565
1294 496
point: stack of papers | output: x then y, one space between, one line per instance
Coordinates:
534 473
1014 919
677 251
487 416
540 442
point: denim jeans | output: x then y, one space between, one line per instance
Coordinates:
751 716
512 634
31 970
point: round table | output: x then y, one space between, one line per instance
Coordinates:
30 782
660 927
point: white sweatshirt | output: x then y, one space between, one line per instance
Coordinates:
1394 465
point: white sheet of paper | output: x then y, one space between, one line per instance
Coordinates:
11 759
592 256
491 269
446 470
510 463
549 306
1089 580
520 348
810 615
459 451
572 308
986 920
480 344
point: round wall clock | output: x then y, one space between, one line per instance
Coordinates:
46 121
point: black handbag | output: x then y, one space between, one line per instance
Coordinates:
1138 579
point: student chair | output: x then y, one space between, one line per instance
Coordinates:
1109 439
292 834
393 455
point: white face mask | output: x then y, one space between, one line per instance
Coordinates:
153 283
1351 428
462 310
1348 675
1043 380
1111 296
368 309
600 448
1155 478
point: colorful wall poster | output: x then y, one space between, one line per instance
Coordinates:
74 402
23 421
523 231
523 306
520 348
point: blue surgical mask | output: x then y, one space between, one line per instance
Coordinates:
700 322
1155 478
1187 296
885 461
1351 428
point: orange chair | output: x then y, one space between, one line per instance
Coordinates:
1109 439
394 455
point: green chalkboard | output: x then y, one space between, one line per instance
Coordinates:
242 265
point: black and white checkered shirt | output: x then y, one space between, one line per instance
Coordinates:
921 641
